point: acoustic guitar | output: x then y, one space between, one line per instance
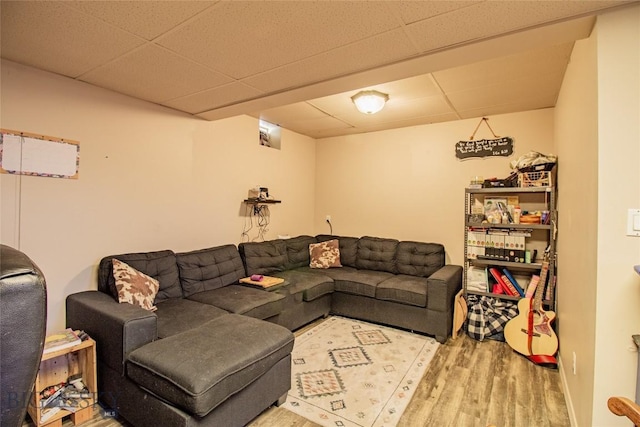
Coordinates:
530 332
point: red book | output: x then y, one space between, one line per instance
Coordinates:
496 275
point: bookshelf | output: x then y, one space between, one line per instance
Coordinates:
482 237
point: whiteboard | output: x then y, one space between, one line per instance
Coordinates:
28 154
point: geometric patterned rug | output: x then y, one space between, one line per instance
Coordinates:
349 373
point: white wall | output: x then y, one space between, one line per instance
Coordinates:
407 183
598 135
150 178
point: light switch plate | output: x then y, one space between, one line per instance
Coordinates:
633 220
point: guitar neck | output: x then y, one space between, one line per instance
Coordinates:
544 271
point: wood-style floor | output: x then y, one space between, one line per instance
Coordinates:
468 383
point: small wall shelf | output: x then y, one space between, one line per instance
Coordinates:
257 201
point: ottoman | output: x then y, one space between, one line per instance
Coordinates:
199 369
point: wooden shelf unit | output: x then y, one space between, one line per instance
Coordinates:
55 368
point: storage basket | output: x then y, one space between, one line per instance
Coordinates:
537 176
535 179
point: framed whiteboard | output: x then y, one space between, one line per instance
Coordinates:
23 153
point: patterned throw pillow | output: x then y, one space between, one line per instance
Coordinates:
134 287
325 254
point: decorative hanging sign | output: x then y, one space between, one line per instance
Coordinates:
500 146
485 148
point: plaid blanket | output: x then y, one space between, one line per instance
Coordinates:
487 316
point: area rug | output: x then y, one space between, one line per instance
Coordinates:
351 373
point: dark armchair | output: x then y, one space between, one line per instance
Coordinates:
23 314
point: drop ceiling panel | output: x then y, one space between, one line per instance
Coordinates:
300 111
212 98
146 19
155 74
381 49
413 11
552 59
480 20
246 38
56 38
374 127
524 105
507 92
317 128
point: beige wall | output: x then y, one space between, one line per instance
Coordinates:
618 288
577 126
598 134
150 179
407 183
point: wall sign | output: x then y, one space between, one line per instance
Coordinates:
485 148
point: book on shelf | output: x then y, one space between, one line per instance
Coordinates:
513 281
497 275
61 340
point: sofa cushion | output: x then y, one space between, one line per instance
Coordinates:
358 282
133 286
404 289
419 259
264 257
312 286
324 254
239 299
177 315
375 253
298 251
160 265
199 369
348 248
207 269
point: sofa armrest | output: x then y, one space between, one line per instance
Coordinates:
442 286
117 328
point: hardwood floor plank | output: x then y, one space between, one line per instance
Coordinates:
467 384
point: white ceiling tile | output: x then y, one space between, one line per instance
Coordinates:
246 38
292 113
146 19
375 51
317 128
413 11
551 59
213 98
53 37
155 74
506 92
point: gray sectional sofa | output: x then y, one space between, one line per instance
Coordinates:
217 352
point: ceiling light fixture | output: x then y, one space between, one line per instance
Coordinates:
369 101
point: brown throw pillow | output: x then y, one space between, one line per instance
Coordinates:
325 254
134 287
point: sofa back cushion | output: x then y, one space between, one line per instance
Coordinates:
298 251
161 265
419 259
348 248
263 257
208 269
375 253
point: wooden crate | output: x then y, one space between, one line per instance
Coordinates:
55 368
